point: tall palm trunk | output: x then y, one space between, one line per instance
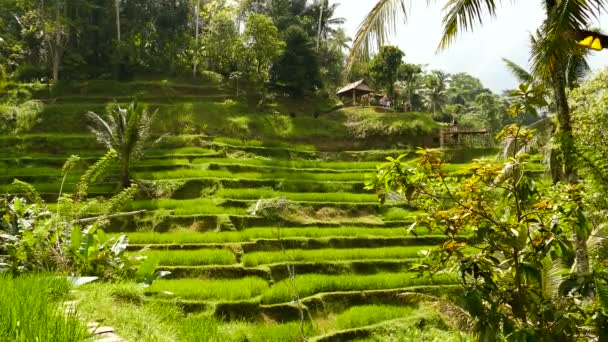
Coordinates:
117 13
567 154
567 150
125 176
320 29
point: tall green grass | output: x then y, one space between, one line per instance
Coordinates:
260 332
30 310
310 284
263 258
198 206
360 316
193 258
205 289
260 233
253 194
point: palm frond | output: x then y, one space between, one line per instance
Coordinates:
101 129
376 28
578 68
463 15
553 274
551 49
521 74
597 239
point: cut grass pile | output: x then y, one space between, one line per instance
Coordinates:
30 310
188 207
360 316
254 194
310 284
193 258
260 233
205 289
263 258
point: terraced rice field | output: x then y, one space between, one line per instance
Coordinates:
229 267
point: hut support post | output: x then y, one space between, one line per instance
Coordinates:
354 97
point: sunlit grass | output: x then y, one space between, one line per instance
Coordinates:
360 316
276 175
261 233
263 258
310 284
30 310
293 164
188 207
193 257
205 289
253 194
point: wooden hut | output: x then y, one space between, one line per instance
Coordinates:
353 91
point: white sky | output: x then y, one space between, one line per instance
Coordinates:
479 52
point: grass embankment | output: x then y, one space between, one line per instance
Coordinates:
193 258
30 310
201 206
303 176
204 289
310 284
261 233
262 258
360 316
253 194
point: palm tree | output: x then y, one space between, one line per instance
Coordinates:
328 26
551 54
409 78
126 130
435 91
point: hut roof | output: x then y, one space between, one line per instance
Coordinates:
359 85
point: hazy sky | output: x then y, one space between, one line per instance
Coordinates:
479 53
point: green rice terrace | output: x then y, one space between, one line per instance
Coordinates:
200 194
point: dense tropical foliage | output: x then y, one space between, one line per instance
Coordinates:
214 149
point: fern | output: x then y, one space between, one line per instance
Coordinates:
95 172
122 199
27 190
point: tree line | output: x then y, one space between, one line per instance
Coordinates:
296 45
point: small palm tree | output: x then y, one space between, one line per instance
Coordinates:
126 130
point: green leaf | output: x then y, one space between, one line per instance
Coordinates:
76 237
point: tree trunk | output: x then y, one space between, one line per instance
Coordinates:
117 9
56 58
567 153
322 5
196 29
125 177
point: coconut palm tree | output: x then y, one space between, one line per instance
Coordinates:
550 55
434 92
126 130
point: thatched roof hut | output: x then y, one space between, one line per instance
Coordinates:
355 89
